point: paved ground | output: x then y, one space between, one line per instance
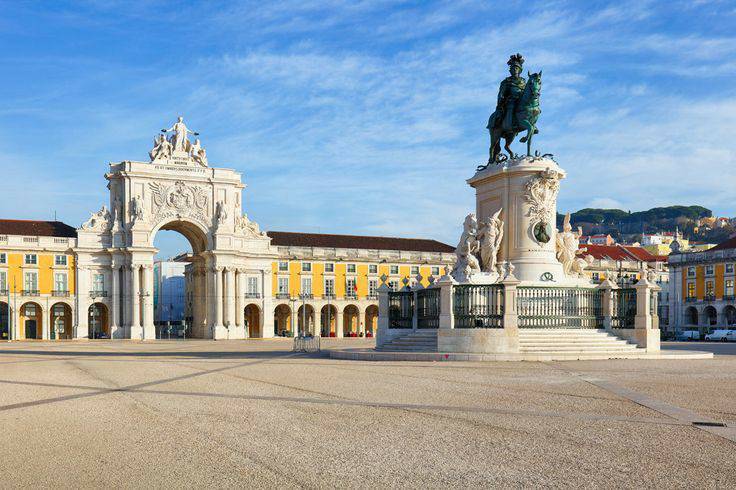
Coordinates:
237 413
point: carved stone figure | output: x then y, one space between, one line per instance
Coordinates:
490 235
162 148
137 213
117 211
517 110
466 263
198 153
541 194
248 228
179 140
99 221
568 248
220 213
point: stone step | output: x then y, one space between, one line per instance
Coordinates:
571 348
580 345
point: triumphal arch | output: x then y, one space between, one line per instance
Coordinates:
178 190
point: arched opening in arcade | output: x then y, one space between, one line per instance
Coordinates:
710 316
328 321
282 320
351 321
179 296
60 322
691 316
31 321
729 315
252 318
98 320
371 320
5 317
305 319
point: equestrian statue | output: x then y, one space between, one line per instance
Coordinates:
517 110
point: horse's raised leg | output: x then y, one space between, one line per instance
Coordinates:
509 140
528 138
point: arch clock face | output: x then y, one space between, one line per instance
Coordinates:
542 232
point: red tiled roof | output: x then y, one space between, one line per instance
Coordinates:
621 252
728 244
287 238
36 228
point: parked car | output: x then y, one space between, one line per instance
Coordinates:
722 335
688 335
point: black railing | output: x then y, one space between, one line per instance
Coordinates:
62 293
373 296
328 296
98 294
283 296
253 295
400 309
690 299
30 292
478 306
624 308
728 297
428 308
559 307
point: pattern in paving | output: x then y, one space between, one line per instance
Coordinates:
204 413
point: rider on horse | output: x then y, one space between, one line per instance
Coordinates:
508 94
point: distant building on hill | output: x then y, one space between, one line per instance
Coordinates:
598 239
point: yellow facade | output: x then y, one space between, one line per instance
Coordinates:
16 267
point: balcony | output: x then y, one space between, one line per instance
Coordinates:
3 292
30 292
690 299
98 294
253 295
283 296
328 296
709 297
351 295
306 296
373 296
60 293
728 297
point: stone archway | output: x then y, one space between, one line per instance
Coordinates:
710 316
98 321
691 315
729 316
305 320
5 320
252 317
351 321
30 325
328 321
282 320
176 190
60 322
371 321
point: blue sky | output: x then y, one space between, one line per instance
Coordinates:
367 117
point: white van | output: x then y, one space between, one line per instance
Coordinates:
722 335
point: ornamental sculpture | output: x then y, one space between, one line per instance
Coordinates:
541 194
517 110
466 264
568 249
490 235
99 221
137 213
177 145
248 228
478 248
178 200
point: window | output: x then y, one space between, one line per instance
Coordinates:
393 285
709 270
691 290
31 259
596 276
30 310
3 258
351 289
727 290
330 287
351 268
729 268
414 270
306 267
283 267
691 272
709 289
252 285
330 267
306 285
373 269
60 260
3 282
394 269
98 282
60 283
435 271
283 285
30 281
372 288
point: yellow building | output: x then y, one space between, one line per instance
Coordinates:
329 283
37 279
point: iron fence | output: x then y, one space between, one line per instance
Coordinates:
428 308
400 309
478 306
306 344
559 307
624 308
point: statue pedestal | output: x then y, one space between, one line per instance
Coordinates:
526 189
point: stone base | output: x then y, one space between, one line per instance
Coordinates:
478 340
648 339
142 333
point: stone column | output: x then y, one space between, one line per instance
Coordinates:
149 327
230 298
196 304
510 304
219 290
82 325
645 334
239 293
447 319
135 314
607 307
338 323
115 303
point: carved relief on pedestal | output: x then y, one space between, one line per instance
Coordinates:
179 200
541 194
568 250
